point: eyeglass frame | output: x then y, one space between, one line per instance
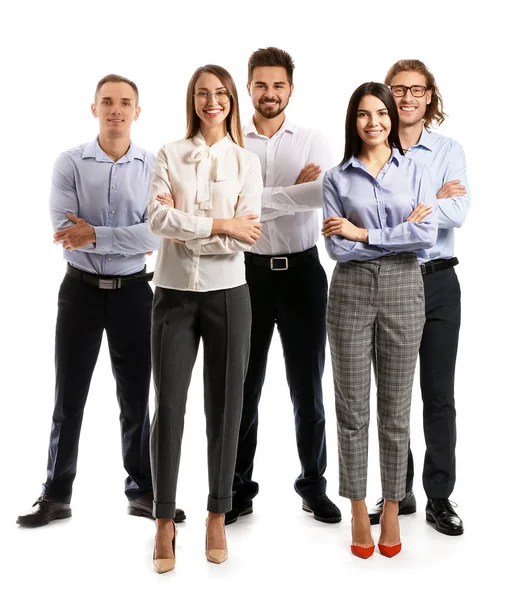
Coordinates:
409 87
209 94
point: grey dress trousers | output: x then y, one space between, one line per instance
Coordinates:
222 319
375 316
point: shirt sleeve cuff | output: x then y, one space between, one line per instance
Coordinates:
267 197
203 227
375 237
194 246
104 240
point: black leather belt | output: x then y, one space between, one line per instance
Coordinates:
106 282
282 262
439 264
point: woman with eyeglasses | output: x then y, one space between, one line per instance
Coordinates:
204 202
379 213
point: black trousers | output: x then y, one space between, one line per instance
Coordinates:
222 319
84 312
295 300
437 356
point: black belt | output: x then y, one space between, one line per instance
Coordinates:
282 263
439 264
105 282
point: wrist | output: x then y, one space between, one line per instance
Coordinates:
220 226
364 235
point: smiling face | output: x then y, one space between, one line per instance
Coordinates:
411 110
116 108
212 101
270 90
373 122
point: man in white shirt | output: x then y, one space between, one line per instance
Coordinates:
287 284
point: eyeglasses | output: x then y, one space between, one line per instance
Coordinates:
399 91
222 96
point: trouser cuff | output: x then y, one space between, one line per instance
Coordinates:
164 510
219 505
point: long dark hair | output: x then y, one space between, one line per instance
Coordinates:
233 125
353 142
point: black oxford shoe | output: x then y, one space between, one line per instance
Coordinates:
238 510
45 510
322 508
407 506
142 507
440 512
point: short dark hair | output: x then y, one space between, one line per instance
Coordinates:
435 109
112 78
270 57
353 142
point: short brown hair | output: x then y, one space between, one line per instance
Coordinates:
112 78
270 57
435 109
233 126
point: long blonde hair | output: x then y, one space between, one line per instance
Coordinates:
435 109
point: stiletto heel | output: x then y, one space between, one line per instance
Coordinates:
163 565
214 555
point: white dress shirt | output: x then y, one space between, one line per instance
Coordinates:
222 181
290 222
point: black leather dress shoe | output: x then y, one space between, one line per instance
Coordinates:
323 509
238 510
46 510
142 507
440 512
407 506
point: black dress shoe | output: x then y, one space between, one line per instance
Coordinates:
46 510
407 506
238 510
440 512
322 508
142 506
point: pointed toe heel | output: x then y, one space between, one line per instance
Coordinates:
389 551
361 551
215 555
164 565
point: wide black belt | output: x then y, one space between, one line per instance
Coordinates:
282 262
106 282
439 264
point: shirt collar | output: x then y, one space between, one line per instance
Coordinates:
357 163
93 150
199 140
425 141
250 128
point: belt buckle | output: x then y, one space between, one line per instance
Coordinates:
110 284
273 266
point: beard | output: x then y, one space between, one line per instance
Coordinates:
269 112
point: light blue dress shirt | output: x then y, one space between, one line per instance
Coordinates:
112 198
445 160
381 205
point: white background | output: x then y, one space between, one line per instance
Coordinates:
53 53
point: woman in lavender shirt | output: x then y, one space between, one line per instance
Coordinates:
379 213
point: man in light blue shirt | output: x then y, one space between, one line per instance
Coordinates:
98 207
420 104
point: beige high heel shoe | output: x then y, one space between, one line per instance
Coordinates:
214 555
163 565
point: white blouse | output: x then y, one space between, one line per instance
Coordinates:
222 181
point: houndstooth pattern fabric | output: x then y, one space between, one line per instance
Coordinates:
375 315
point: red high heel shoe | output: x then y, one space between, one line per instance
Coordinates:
389 551
361 551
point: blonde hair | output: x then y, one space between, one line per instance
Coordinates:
434 110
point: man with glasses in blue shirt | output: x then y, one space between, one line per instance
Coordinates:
98 207
419 105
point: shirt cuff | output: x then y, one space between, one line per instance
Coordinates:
267 197
194 246
104 240
203 227
375 237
